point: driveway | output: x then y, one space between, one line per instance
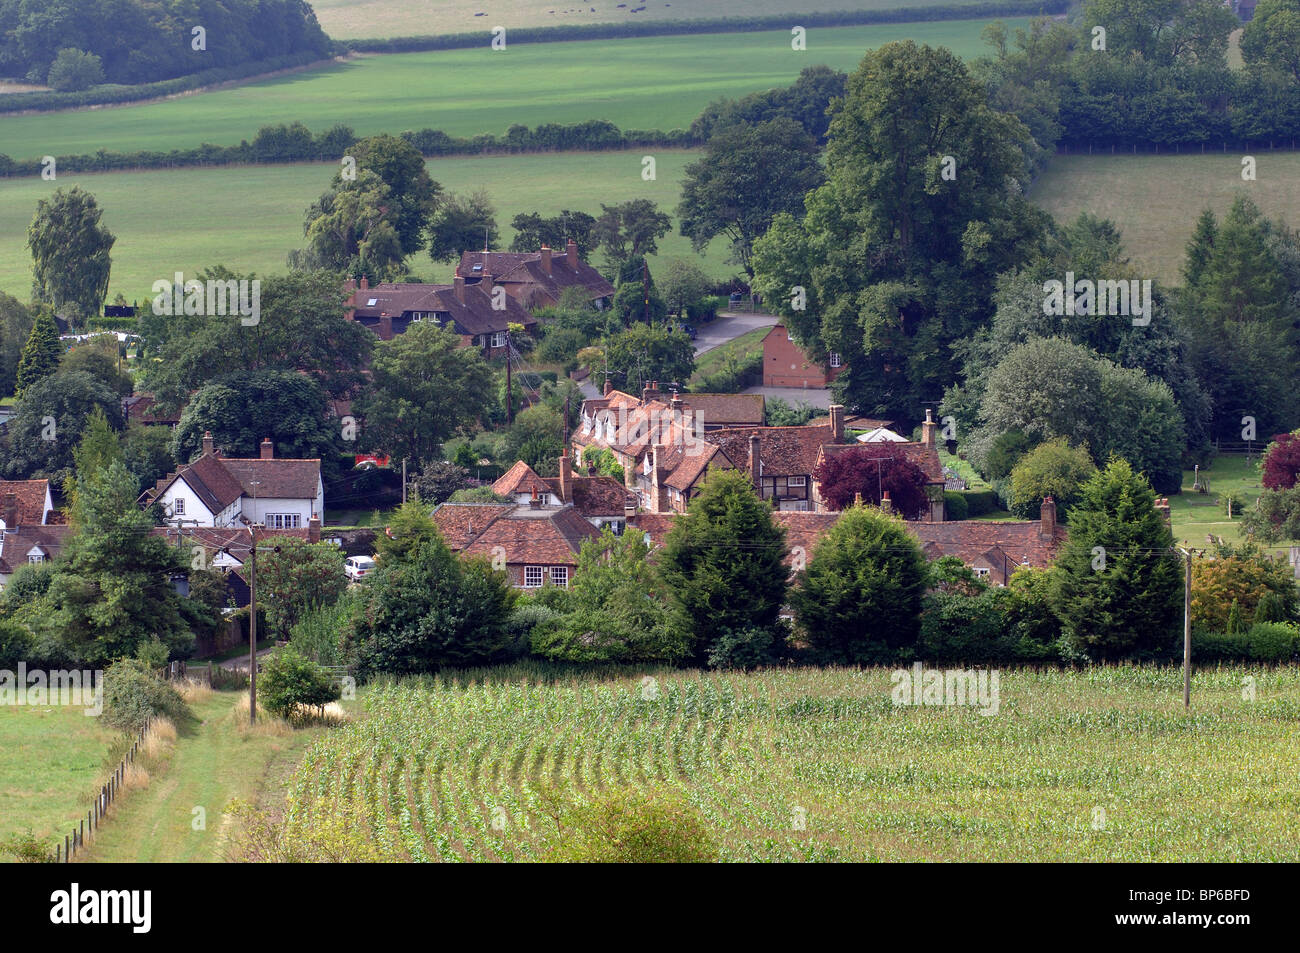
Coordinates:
819 397
728 326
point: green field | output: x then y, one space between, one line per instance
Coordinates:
1155 199
809 764
249 217
651 83
348 19
1196 515
53 760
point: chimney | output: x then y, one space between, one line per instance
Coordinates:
365 283
837 423
313 529
458 286
351 286
385 327
755 465
1162 507
886 504
649 392
1047 518
676 404
629 508
857 498
928 428
268 449
571 250
207 443
566 478
546 259
11 511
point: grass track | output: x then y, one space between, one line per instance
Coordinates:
646 83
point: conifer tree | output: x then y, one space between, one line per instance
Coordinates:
41 354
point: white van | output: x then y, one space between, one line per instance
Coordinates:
358 566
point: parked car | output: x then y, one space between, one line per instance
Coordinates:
685 329
358 566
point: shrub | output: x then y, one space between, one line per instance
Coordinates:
1052 469
979 502
74 70
626 826
134 696
291 681
956 506
1272 642
1233 503
15 644
322 632
27 849
748 647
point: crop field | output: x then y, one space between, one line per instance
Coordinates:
249 217
819 764
1155 199
651 83
351 19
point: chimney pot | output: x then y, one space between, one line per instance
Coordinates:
268 449
1047 518
886 504
546 259
837 423
928 428
365 283
207 442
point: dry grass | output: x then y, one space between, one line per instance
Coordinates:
135 778
159 738
193 691
267 725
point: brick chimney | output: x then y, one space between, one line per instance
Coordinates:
365 283
536 502
313 529
1047 518
928 428
650 392
609 386
886 504
458 287
11 511
676 404
566 478
837 423
571 250
546 259
1162 507
268 449
207 443
385 327
755 461
350 286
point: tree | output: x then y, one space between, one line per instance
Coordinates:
1118 592
747 175
15 326
872 469
859 600
41 354
243 409
75 69
533 230
70 252
630 228
429 609
617 609
462 223
426 388
352 228
100 359
438 480
1054 469
1281 464
50 421
1272 37
536 437
111 589
146 453
1275 516
98 449
683 284
413 195
645 353
1242 578
290 682
634 303
723 561
297 577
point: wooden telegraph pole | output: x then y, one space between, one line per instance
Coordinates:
1187 630
252 627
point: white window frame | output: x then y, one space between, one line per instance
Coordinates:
834 359
534 572
283 521
36 558
796 481
981 571
178 506
498 339
560 576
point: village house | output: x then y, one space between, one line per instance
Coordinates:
536 279
143 409
226 549
786 364
924 454
217 491
600 500
534 543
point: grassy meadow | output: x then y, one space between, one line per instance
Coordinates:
819 764
650 83
249 217
1196 515
352 19
1155 199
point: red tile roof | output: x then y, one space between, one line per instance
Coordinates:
29 498
520 478
728 410
784 451
527 536
525 268
21 540
460 523
473 316
594 495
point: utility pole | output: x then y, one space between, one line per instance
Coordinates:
252 626
403 481
510 403
1187 630
645 287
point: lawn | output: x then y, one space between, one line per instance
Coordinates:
1196 515
746 345
1102 764
53 760
1155 199
351 19
249 217
648 83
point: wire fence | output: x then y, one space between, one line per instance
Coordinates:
86 826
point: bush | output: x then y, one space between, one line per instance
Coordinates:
74 70
978 502
1272 642
1217 647
734 376
750 647
15 644
134 696
290 681
321 633
1233 503
27 849
626 826
1052 469
955 506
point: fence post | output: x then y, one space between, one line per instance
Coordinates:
65 848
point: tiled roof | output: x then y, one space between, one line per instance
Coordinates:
1001 545
534 537
473 316
656 524
520 478
782 450
29 497
802 531
526 268
854 422
20 540
213 538
687 464
727 409
459 523
594 495
219 481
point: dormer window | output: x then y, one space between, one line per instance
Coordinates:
835 359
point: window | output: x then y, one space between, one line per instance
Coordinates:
372 302
36 558
283 521
835 359
798 481
499 339
560 576
981 571
532 577
178 508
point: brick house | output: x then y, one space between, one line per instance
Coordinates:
468 308
925 454
535 543
786 364
536 279
600 500
25 503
